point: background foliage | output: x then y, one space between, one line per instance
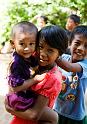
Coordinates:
57 12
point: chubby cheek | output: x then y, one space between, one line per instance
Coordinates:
72 48
19 50
53 58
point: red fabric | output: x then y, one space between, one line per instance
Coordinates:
49 87
17 120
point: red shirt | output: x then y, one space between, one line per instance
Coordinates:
50 86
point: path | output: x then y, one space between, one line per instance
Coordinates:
5 117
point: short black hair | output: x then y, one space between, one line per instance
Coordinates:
75 18
54 36
26 27
44 18
81 30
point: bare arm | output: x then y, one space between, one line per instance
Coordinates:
49 116
40 112
68 66
28 83
32 113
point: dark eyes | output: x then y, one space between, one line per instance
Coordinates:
21 44
48 50
77 43
31 44
85 46
24 44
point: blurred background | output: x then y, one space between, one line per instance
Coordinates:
57 11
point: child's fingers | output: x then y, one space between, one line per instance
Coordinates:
40 77
7 107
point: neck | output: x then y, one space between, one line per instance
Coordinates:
43 69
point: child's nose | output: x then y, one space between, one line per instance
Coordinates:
81 47
43 54
26 48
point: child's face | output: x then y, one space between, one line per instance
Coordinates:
41 22
48 55
78 48
70 25
24 43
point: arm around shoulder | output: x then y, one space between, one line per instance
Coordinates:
68 66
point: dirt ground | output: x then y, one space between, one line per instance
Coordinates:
5 117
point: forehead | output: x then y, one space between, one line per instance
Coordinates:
42 42
40 19
69 20
23 29
80 38
45 45
24 33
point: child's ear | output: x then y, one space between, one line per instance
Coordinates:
12 43
77 24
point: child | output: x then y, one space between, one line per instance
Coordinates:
52 41
23 39
72 21
70 103
41 21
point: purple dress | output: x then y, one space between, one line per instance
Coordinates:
19 72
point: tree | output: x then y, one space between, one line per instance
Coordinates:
56 11
16 12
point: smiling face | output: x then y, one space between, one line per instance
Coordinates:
24 43
48 55
78 48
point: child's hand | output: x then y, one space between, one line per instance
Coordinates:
11 89
39 78
7 107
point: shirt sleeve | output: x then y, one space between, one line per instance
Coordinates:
50 86
14 78
84 68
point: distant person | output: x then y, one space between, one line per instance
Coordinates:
72 21
41 21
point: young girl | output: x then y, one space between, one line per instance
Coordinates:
70 103
52 41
